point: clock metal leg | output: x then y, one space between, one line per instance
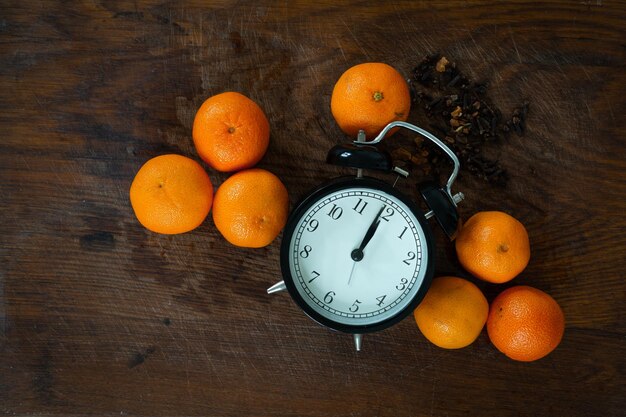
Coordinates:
358 341
278 287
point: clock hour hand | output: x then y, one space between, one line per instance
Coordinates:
357 254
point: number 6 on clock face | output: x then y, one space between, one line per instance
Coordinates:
355 255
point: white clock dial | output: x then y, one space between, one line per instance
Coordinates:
358 292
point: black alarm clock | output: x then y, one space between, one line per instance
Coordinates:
357 255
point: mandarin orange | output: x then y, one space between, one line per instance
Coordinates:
250 208
453 312
171 194
230 132
493 246
525 323
368 97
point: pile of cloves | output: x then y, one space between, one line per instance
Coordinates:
460 112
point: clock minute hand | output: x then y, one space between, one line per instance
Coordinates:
357 254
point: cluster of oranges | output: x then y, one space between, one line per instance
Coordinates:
173 193
522 322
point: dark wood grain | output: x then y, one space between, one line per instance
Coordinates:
100 316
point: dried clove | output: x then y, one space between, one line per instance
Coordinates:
462 113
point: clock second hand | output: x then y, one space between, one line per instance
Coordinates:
351 272
357 254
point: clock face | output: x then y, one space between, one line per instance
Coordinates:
335 283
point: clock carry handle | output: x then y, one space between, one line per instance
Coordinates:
440 200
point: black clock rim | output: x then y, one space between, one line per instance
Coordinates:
314 196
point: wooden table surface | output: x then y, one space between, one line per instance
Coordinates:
100 316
